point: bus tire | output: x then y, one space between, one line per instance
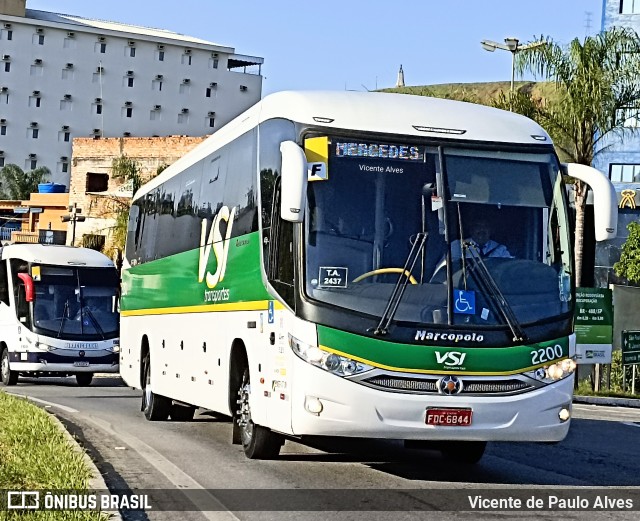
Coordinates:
469 452
7 376
181 413
258 442
84 379
154 406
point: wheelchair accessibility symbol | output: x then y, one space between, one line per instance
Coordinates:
270 316
464 302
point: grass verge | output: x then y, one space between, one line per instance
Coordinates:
36 455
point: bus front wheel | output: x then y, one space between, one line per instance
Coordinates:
154 406
7 376
258 442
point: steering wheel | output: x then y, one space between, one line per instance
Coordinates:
382 271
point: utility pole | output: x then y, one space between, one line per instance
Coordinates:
73 217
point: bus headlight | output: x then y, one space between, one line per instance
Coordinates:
330 362
114 349
554 372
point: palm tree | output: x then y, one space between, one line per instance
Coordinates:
15 183
599 90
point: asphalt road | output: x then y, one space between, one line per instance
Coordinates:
195 460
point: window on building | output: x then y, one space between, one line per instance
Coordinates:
211 121
98 108
63 167
3 130
132 52
155 115
4 97
213 63
127 112
156 85
31 163
630 6
35 101
66 104
35 132
64 136
129 81
67 74
69 43
624 173
7 66
37 69
186 58
1 161
97 182
207 93
101 47
183 118
185 88
38 39
160 56
6 34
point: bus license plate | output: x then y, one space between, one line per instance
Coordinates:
449 417
80 364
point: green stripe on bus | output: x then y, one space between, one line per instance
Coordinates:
429 359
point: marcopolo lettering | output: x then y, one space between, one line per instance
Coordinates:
424 336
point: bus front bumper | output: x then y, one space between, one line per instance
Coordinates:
354 410
101 361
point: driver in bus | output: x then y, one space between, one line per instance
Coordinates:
480 240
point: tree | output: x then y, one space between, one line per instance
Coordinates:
629 264
18 184
599 91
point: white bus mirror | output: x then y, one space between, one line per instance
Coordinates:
605 200
293 182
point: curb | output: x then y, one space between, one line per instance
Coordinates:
96 482
602 400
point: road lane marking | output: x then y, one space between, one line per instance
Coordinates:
180 479
44 402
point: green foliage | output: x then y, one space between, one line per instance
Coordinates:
128 169
17 184
629 264
35 454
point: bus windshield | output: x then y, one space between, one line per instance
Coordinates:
73 302
380 199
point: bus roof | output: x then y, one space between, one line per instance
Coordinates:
381 112
57 255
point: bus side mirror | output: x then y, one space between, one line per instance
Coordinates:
605 200
293 182
28 286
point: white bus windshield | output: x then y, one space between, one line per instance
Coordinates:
365 217
73 302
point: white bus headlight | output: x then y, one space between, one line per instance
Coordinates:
330 362
554 372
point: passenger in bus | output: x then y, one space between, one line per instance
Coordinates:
481 242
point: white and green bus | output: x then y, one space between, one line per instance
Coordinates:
58 313
296 272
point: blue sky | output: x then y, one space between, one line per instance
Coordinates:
357 45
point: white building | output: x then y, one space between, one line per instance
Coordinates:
64 76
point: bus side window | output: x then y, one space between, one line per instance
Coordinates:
4 286
281 268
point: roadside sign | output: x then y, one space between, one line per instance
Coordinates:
630 347
593 325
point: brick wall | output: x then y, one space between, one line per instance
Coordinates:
96 155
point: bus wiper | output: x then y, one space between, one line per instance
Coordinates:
94 321
398 291
491 288
64 317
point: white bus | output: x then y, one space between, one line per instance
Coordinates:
58 313
295 272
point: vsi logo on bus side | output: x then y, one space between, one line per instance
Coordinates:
220 247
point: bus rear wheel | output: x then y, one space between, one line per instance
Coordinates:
7 376
258 442
469 452
84 379
154 406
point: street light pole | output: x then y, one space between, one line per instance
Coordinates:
512 45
